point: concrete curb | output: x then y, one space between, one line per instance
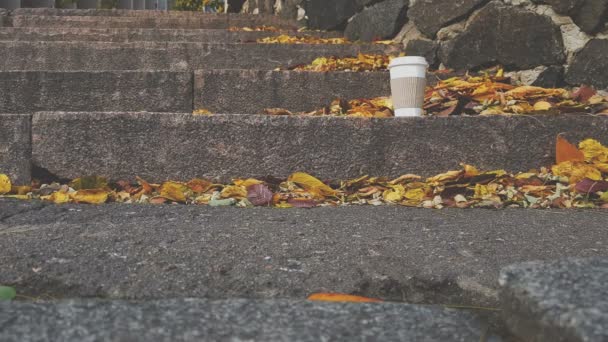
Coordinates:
15 147
181 146
134 35
85 56
31 91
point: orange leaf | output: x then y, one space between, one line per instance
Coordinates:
565 151
340 297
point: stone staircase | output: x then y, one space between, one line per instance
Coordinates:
111 92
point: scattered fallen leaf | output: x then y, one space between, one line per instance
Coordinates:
590 186
301 203
340 297
309 182
90 182
234 191
174 191
259 195
565 151
5 184
7 293
91 196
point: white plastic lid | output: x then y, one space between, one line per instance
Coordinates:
408 60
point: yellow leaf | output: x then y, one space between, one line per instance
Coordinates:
58 197
594 151
92 196
247 182
481 191
174 191
234 191
309 182
604 197
21 190
202 111
394 194
470 171
5 184
91 182
576 171
541 106
445 177
339 297
415 194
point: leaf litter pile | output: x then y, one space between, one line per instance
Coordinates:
483 94
289 39
579 179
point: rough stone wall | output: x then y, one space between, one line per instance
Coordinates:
545 42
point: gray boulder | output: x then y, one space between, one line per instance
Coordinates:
590 65
592 16
507 35
431 15
423 47
381 21
589 15
562 6
557 301
332 15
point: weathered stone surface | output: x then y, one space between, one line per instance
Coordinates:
93 56
15 147
592 16
252 91
127 144
551 77
136 35
590 65
31 91
331 15
557 300
502 34
186 22
431 15
3 17
233 320
423 47
378 22
394 253
589 15
562 6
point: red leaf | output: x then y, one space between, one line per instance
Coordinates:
584 93
589 186
302 203
259 195
565 151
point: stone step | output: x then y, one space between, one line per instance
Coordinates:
221 91
84 56
160 91
69 12
179 146
234 320
561 300
167 22
122 251
136 35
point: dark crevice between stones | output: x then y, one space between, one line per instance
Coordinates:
44 176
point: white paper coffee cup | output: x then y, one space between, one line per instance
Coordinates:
408 83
